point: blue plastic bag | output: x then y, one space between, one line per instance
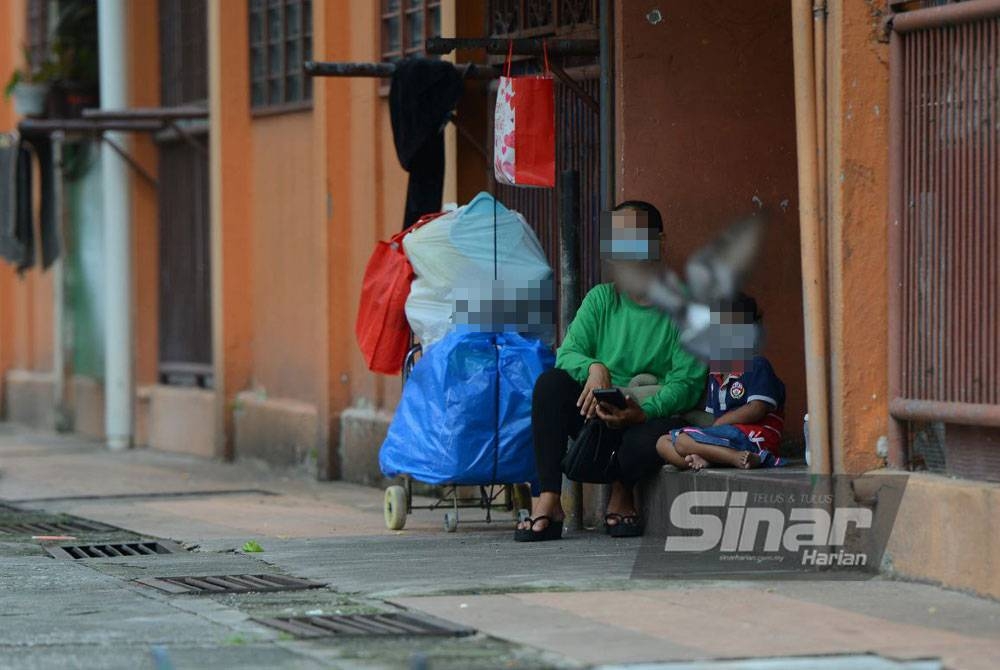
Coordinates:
465 414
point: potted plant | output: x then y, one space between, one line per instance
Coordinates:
29 87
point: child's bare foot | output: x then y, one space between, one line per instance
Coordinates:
696 462
747 460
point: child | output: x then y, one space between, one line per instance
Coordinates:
745 397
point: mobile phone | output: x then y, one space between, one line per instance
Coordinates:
611 396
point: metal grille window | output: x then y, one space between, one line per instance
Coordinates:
533 18
945 215
37 42
280 41
406 25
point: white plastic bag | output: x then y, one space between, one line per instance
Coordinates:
456 251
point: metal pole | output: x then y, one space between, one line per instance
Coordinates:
569 248
607 108
813 265
569 301
897 456
118 382
60 380
607 138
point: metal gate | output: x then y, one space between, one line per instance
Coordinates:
945 230
185 326
577 126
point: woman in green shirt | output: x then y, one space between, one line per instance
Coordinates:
612 339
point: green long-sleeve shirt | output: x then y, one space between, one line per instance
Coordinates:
630 339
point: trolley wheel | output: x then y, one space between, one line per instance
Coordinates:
395 507
520 498
451 521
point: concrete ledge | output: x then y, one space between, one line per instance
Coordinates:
30 400
278 431
947 532
659 490
88 407
182 420
362 432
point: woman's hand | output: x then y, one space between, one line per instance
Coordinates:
598 378
621 418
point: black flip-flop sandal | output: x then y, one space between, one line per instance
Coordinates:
629 526
617 518
553 531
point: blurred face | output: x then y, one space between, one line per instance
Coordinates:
626 235
733 340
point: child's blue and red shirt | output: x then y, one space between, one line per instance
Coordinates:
757 382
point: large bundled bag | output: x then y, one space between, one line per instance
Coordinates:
524 129
381 328
465 414
455 253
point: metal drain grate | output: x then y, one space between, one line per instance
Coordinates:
228 584
114 550
394 623
54 527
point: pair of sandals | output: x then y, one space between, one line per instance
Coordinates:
625 525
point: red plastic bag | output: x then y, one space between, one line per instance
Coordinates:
524 132
381 328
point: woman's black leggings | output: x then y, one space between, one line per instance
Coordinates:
555 418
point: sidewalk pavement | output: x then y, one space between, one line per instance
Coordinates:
562 604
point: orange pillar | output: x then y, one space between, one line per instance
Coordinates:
231 235
144 89
332 41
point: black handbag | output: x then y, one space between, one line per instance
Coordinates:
591 457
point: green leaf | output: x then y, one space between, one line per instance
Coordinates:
252 547
15 79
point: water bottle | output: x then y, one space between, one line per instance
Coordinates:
805 435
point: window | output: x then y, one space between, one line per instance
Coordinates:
37 42
535 18
280 40
406 25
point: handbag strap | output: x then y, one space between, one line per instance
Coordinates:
510 55
545 53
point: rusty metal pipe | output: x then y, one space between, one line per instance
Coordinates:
964 413
813 265
897 446
819 65
945 15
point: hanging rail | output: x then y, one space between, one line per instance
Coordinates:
385 70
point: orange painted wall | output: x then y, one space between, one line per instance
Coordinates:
288 279
705 128
859 253
26 300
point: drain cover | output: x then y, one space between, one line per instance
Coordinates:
54 527
228 584
393 623
114 550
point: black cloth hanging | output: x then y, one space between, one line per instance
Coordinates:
421 98
17 229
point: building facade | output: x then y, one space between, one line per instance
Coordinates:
248 254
